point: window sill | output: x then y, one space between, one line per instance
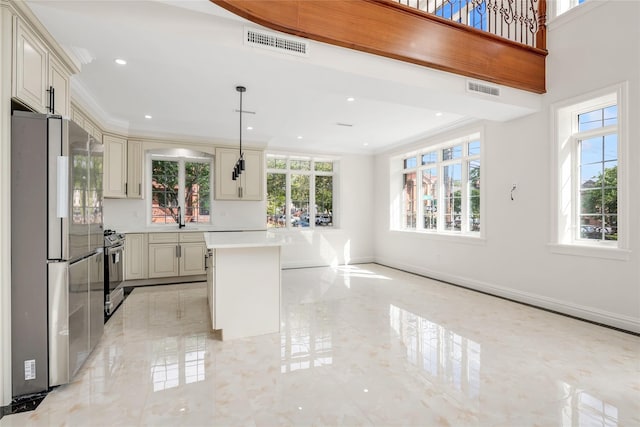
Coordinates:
470 239
590 251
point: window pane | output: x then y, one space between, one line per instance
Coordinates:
276 199
611 115
590 175
164 191
474 148
429 158
591 201
590 120
430 198
300 165
324 166
299 198
451 176
410 163
591 150
591 227
409 200
611 147
324 202
454 152
610 227
474 195
276 163
197 192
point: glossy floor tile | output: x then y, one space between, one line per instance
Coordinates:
359 345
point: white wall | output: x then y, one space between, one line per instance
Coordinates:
596 47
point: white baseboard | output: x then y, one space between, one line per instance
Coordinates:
592 314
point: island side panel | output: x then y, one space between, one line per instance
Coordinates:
247 291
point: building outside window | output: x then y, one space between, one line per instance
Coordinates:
590 162
180 187
305 186
441 187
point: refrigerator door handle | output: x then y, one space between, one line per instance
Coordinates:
62 202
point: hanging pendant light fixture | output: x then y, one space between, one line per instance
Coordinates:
239 167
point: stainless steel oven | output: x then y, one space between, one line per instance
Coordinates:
113 271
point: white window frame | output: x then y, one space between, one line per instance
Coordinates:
312 173
565 174
398 172
181 160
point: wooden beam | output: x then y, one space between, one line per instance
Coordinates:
395 31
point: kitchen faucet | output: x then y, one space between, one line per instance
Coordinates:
180 222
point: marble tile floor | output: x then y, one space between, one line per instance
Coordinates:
359 345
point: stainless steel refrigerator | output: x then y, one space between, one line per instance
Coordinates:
57 264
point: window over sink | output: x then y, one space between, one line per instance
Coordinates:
180 188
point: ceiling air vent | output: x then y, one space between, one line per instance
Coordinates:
275 41
482 88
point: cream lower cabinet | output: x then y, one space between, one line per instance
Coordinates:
176 254
135 256
163 260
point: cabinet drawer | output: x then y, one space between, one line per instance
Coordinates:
163 237
192 237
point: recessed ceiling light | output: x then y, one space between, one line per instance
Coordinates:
147 116
299 136
351 99
249 127
121 61
366 144
438 114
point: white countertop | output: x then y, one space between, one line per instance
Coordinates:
188 229
242 239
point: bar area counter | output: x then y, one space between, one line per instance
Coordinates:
243 281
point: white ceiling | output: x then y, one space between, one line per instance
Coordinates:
185 58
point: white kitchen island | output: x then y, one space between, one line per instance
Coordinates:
243 280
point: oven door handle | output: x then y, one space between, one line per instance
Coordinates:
116 253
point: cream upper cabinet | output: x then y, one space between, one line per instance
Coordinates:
249 186
135 256
35 71
31 63
123 168
115 167
59 80
134 169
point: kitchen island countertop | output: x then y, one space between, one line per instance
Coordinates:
242 239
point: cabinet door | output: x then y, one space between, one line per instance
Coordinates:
115 166
163 260
134 169
135 256
252 177
251 180
226 188
59 80
30 83
192 258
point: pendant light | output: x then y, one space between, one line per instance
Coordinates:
239 167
